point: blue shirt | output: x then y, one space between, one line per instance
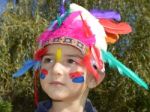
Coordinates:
44 106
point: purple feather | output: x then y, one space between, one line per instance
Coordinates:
108 14
62 7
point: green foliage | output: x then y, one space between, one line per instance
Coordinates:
19 29
5 106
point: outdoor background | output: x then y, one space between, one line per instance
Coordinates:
21 21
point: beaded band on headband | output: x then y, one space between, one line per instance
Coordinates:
68 41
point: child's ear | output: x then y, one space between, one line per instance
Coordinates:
92 83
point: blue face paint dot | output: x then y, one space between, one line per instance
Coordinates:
42 76
78 79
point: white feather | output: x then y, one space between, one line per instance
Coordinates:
96 28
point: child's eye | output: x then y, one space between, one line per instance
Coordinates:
47 60
71 61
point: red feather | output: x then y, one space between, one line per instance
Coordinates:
36 98
87 63
113 27
97 58
86 28
39 53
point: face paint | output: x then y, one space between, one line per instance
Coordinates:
58 54
43 74
77 77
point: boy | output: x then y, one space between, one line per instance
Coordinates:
71 57
67 95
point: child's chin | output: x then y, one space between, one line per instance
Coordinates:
57 97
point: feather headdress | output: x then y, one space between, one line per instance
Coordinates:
102 27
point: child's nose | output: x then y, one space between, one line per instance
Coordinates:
58 69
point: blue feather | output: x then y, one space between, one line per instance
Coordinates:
123 70
27 65
37 65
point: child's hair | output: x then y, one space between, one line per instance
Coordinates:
89 31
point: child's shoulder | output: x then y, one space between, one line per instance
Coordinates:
45 105
89 107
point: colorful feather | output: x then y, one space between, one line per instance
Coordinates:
113 27
36 97
88 63
123 70
39 53
27 65
86 27
96 56
37 65
108 14
57 21
62 6
96 28
111 38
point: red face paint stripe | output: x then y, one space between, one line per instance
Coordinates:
44 71
75 74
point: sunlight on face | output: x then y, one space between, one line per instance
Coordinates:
57 84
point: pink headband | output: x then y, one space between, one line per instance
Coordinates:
70 28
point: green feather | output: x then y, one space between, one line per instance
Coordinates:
59 21
123 70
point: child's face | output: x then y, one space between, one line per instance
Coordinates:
59 63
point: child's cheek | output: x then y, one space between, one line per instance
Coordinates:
77 77
43 73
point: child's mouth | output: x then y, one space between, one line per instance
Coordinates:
56 83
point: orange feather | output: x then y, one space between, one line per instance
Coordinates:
114 27
111 38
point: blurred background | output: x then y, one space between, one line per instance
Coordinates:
21 22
